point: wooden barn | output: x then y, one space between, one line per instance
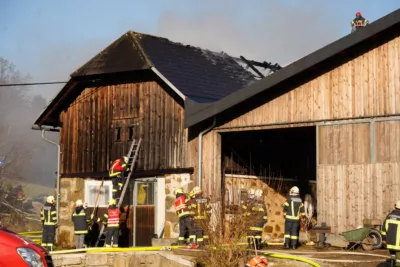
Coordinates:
331 118
135 88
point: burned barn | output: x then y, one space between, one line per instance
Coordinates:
135 88
328 123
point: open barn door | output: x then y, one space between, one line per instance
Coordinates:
148 210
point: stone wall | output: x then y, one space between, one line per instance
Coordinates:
120 259
173 181
71 189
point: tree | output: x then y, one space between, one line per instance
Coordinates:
14 104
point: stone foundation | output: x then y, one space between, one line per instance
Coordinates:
119 259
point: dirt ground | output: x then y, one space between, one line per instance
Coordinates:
332 257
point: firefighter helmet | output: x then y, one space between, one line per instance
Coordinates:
112 201
50 199
79 202
178 191
294 191
397 205
258 193
251 192
358 14
126 160
196 190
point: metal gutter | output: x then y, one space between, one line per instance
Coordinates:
58 177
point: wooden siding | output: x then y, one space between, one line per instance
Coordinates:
387 145
211 163
344 144
347 194
368 85
89 128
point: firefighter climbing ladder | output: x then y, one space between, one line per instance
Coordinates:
132 155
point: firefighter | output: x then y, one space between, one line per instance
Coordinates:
182 210
359 22
293 208
259 213
391 232
257 261
48 216
111 221
81 220
117 174
200 209
20 197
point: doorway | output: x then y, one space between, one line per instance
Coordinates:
148 210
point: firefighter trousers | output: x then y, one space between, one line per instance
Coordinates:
254 235
185 227
48 234
292 229
112 234
118 184
197 232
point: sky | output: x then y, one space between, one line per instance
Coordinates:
50 39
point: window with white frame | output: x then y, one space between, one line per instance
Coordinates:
92 190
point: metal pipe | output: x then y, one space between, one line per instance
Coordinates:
58 177
201 151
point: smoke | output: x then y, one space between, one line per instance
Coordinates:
275 32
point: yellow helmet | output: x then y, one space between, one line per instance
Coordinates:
79 202
112 201
178 191
50 199
195 191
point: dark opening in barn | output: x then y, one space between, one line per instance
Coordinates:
284 154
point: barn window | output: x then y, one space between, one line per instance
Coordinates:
92 189
118 134
130 128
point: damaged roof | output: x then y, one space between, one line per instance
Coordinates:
250 96
198 74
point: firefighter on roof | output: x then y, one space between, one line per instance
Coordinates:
359 22
293 208
391 232
48 216
111 221
200 209
182 210
117 173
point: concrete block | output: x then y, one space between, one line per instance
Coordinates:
57 262
72 260
96 259
121 260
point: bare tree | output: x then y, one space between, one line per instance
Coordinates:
14 104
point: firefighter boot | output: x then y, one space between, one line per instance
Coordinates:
286 246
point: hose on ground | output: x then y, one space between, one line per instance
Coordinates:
291 257
337 253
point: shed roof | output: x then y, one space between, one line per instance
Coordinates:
346 47
198 74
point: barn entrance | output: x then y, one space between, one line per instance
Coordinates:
148 210
281 157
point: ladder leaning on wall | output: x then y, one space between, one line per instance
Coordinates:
132 156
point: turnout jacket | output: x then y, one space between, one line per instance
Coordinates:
293 208
48 215
81 220
117 167
391 229
111 217
181 205
200 208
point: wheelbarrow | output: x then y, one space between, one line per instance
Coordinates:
367 237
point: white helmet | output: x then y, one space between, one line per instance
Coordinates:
79 203
251 192
397 205
50 199
258 193
126 160
294 191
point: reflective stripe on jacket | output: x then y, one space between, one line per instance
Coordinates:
81 220
48 214
181 205
391 229
117 167
293 208
200 208
111 217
